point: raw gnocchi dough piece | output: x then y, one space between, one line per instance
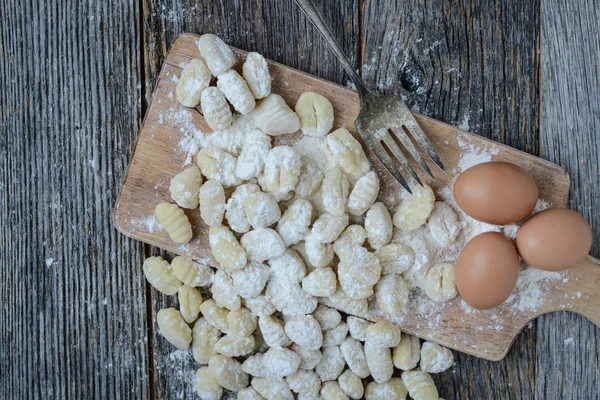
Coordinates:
289 298
212 202
235 214
318 254
351 384
255 366
174 221
331 365
236 91
358 327
228 372
260 305
249 394
190 301
281 173
358 272
262 244
305 331
274 117
310 178
354 354
440 283
315 113
407 353
250 281
443 224
272 388
215 52
435 358
204 338
219 165
392 293
348 153
343 302
335 336
280 362
262 210
353 235
335 190
251 161
173 328
215 109
294 223
331 391
288 267
383 334
364 194
379 360
195 77
256 74
160 275
215 315
235 346
309 359
207 385
322 282
420 385
392 389
395 258
414 209
328 318
378 224
273 331
241 322
185 187
327 228
190 272
223 292
303 381
226 249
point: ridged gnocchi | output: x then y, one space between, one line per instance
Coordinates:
303 381
190 272
331 365
215 109
212 203
327 228
378 225
223 292
395 258
262 244
315 113
305 331
443 224
272 388
256 73
364 194
383 334
379 360
293 224
335 190
420 385
309 359
235 213
353 235
207 385
190 301
251 161
435 358
251 280
351 384
343 302
392 389
274 117
310 179
358 272
159 274
174 221
260 305
288 267
214 315
354 354
249 394
195 77
440 282
228 372
185 187
226 249
322 282
173 328
331 391
319 255
335 336
414 209
357 327
280 362
327 317
392 293
219 165
215 52
236 91
348 153
282 169
273 331
204 338
262 209
235 346
406 354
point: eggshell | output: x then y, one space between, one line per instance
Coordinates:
496 192
554 239
487 270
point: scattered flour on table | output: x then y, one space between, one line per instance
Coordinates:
569 342
49 262
529 294
146 224
473 154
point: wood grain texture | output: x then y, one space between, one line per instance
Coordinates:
568 349
72 294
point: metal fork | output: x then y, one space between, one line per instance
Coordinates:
383 120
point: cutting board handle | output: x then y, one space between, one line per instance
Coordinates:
582 290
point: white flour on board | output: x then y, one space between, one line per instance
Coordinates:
473 154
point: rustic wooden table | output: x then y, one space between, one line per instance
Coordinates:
75 80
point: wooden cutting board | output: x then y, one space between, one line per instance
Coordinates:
158 157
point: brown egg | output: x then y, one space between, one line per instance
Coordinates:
554 239
496 192
487 270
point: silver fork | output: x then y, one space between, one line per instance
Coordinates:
383 120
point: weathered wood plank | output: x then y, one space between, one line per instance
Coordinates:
568 345
279 31
73 294
473 64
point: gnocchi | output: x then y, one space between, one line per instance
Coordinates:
241 322
215 315
392 293
348 153
392 389
319 255
212 202
395 258
195 77
174 221
160 275
280 362
251 161
272 388
354 354
383 334
288 267
204 338
358 272
219 165
379 360
185 187
440 282
236 91
351 384
223 292
273 331
274 117
331 365
420 385
191 273
328 318
294 223
378 225
190 301
335 336
260 305
353 235
262 209
435 358
226 249
414 209
215 109
358 327
343 302
250 281
443 224
235 346
235 214
173 328
305 331
406 354
249 394
310 178
289 298
207 385
262 244
256 73
309 359
315 113
331 391
215 52
335 191
322 282
303 381
327 228
364 194
282 170
228 372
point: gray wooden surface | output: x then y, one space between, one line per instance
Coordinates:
75 79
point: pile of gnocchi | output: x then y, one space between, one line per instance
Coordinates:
263 333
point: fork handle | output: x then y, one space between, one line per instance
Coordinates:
308 7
